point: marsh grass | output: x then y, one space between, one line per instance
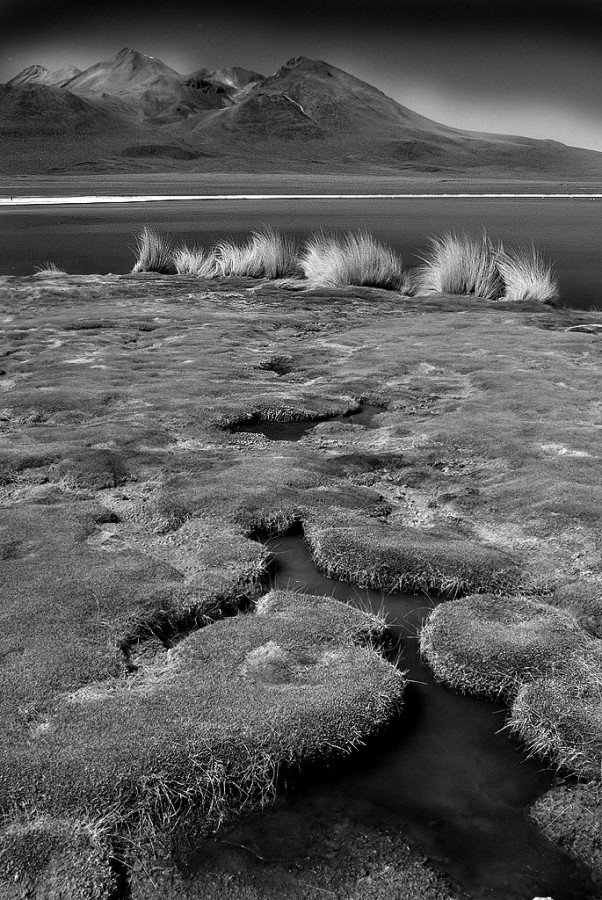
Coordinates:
49 269
266 254
560 718
194 261
490 645
526 275
153 252
354 258
459 263
213 721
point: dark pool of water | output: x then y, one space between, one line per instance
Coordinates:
445 773
92 239
294 431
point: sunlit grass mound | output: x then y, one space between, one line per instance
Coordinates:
193 261
55 859
489 645
526 275
459 263
266 254
212 721
560 718
355 258
153 252
49 269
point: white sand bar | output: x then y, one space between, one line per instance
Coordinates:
169 198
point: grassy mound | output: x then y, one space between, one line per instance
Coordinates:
570 816
560 718
486 644
406 559
267 254
153 252
461 264
526 275
353 259
55 859
212 721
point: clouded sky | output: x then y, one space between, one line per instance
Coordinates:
513 66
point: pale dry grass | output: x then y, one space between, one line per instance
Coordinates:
459 263
266 254
527 275
355 258
194 261
153 252
49 269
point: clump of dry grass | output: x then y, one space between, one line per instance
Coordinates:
560 718
459 263
266 254
153 252
194 261
49 268
526 275
355 258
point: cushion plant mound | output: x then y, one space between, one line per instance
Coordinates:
213 720
560 717
584 600
54 859
393 558
570 816
487 644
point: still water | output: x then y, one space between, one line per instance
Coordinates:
92 239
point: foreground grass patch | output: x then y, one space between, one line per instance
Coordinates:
486 644
408 560
353 259
193 261
212 721
55 859
560 718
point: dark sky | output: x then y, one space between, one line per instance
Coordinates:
529 67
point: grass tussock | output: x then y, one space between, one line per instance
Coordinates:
526 275
49 269
355 258
154 253
194 261
266 254
560 718
459 263
489 645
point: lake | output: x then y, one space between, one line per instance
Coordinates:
97 239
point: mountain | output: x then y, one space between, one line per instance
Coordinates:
40 75
45 129
307 116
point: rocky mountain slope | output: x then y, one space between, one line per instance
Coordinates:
307 116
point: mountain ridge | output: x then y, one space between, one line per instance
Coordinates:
308 115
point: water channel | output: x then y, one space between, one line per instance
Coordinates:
445 773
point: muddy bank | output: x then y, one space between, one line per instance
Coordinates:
128 501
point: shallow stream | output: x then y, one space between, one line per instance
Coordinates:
445 773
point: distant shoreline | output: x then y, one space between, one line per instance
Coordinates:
170 198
